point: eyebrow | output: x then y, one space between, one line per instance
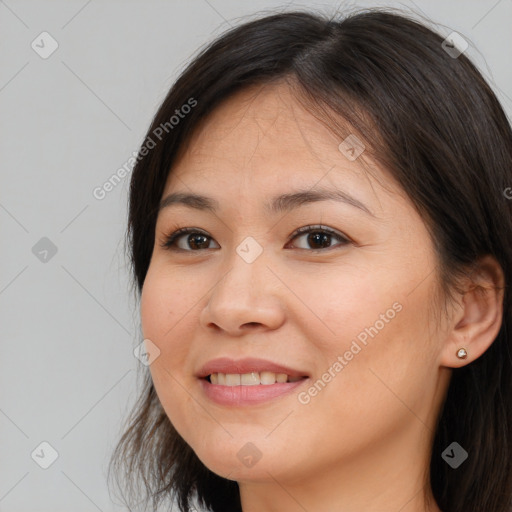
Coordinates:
279 204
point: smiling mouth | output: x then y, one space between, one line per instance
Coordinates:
264 378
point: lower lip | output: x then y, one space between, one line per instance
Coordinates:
247 395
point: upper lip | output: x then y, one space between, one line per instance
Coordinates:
246 365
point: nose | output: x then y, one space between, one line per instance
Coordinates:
245 299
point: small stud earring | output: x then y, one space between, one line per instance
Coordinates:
462 353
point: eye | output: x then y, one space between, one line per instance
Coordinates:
196 238
318 236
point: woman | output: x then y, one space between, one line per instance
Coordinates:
320 237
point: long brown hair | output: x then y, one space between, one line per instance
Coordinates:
434 122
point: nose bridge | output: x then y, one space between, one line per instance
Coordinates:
242 294
246 269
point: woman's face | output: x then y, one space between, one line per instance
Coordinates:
343 309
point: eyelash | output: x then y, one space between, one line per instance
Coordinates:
170 240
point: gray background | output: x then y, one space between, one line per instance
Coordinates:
68 375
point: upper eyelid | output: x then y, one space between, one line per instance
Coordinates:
299 231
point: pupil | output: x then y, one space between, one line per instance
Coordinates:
319 238
194 239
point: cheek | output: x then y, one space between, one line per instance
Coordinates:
153 307
165 315
163 303
378 327
161 309
345 301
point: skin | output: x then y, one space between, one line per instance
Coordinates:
363 442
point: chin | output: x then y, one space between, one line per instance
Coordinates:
228 466
241 459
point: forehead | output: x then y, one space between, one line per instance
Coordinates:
263 141
257 109
260 131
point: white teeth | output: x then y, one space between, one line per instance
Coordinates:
250 379
232 379
267 377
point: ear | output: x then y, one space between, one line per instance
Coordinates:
477 319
